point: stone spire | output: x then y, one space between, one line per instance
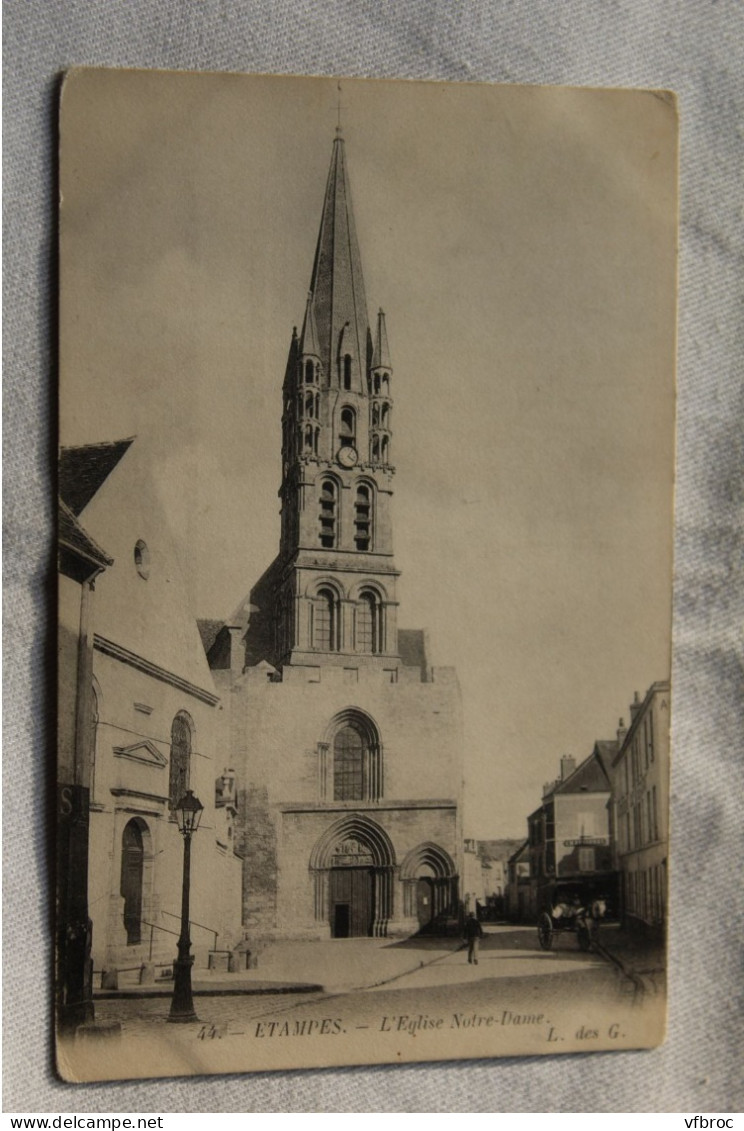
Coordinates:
337 300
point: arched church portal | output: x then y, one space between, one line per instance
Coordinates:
353 864
429 885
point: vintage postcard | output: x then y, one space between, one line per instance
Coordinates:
365 560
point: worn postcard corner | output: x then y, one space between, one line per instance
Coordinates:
365 537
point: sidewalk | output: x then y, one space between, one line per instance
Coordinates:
640 958
328 965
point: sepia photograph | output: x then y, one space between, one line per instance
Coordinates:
366 477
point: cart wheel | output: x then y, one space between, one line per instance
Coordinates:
545 931
585 939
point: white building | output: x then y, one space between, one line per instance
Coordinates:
155 714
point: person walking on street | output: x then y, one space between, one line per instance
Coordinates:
473 932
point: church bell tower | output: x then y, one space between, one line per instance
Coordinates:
334 582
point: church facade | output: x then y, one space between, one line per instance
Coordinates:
346 742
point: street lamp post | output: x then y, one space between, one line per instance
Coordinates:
188 813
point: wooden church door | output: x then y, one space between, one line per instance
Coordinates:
132 867
351 902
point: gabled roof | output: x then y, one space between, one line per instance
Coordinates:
605 750
590 776
338 302
83 470
519 852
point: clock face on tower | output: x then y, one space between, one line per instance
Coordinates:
347 456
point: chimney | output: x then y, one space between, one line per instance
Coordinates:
635 706
568 765
622 730
237 649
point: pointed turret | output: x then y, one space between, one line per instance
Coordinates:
290 373
338 302
309 346
381 352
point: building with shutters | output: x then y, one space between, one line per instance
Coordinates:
640 808
346 740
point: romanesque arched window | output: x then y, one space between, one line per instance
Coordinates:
356 758
327 517
369 622
375 449
375 415
325 621
385 416
363 517
384 449
309 404
180 758
348 765
309 372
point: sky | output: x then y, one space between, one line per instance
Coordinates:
522 242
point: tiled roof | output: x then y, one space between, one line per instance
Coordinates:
590 776
209 630
83 470
606 749
72 536
412 648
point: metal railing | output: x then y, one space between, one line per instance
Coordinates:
193 923
156 927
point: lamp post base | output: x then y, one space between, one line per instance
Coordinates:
182 1003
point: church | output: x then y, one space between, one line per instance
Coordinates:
346 742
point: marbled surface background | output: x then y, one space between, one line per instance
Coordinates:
695 49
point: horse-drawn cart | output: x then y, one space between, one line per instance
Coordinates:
572 909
